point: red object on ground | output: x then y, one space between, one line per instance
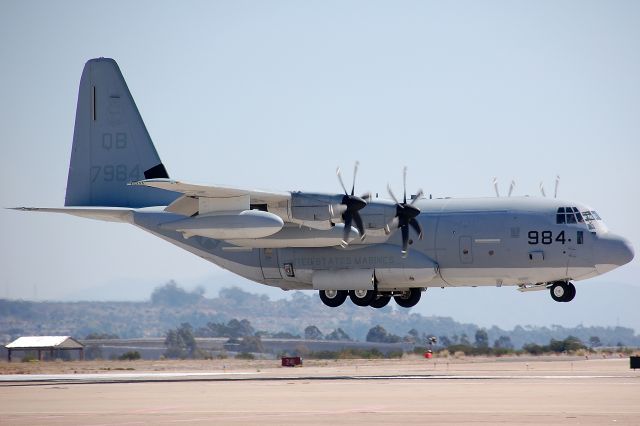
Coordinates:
291 361
428 354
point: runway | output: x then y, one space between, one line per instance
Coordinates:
353 392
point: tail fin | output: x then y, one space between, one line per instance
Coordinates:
111 145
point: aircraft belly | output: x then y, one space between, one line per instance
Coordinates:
460 277
322 266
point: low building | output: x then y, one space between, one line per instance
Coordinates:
50 346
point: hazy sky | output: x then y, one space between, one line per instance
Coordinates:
275 95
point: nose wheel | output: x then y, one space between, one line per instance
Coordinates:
563 291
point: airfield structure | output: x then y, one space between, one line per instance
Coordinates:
45 344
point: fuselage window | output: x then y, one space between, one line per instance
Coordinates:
580 237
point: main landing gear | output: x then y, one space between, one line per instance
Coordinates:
333 298
405 298
562 291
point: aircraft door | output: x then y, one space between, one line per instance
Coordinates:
269 263
466 253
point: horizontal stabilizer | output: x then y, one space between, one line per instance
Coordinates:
106 214
213 191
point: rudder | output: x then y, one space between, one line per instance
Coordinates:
111 145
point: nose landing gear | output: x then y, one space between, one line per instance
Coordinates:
563 291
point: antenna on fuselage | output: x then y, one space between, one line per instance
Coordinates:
495 186
555 192
512 186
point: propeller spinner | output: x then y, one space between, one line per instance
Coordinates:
352 204
405 215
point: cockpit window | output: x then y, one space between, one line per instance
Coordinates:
590 217
573 215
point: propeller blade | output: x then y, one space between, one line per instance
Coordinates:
555 192
355 172
391 194
337 209
347 229
542 189
394 224
416 227
359 225
405 240
513 185
404 184
495 186
418 195
341 182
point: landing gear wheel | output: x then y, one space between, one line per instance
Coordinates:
333 298
408 298
563 292
362 297
571 293
381 301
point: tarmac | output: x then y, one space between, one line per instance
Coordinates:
554 390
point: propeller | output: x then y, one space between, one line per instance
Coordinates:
495 186
352 204
405 215
555 192
542 189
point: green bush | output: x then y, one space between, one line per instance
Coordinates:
129 356
245 355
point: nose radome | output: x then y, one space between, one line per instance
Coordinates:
627 252
613 250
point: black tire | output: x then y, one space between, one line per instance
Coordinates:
381 301
333 298
362 297
559 291
571 293
409 298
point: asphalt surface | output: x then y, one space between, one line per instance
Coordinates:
511 391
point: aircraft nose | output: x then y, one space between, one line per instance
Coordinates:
629 253
613 251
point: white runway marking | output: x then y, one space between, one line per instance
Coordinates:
110 376
216 376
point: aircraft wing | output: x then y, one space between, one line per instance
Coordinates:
217 191
107 214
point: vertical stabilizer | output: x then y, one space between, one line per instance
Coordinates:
111 145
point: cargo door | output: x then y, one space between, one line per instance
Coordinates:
269 263
466 253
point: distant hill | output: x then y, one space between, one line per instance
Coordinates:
153 318
599 302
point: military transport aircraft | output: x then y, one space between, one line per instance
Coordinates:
343 245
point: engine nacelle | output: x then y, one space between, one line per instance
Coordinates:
315 210
227 225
